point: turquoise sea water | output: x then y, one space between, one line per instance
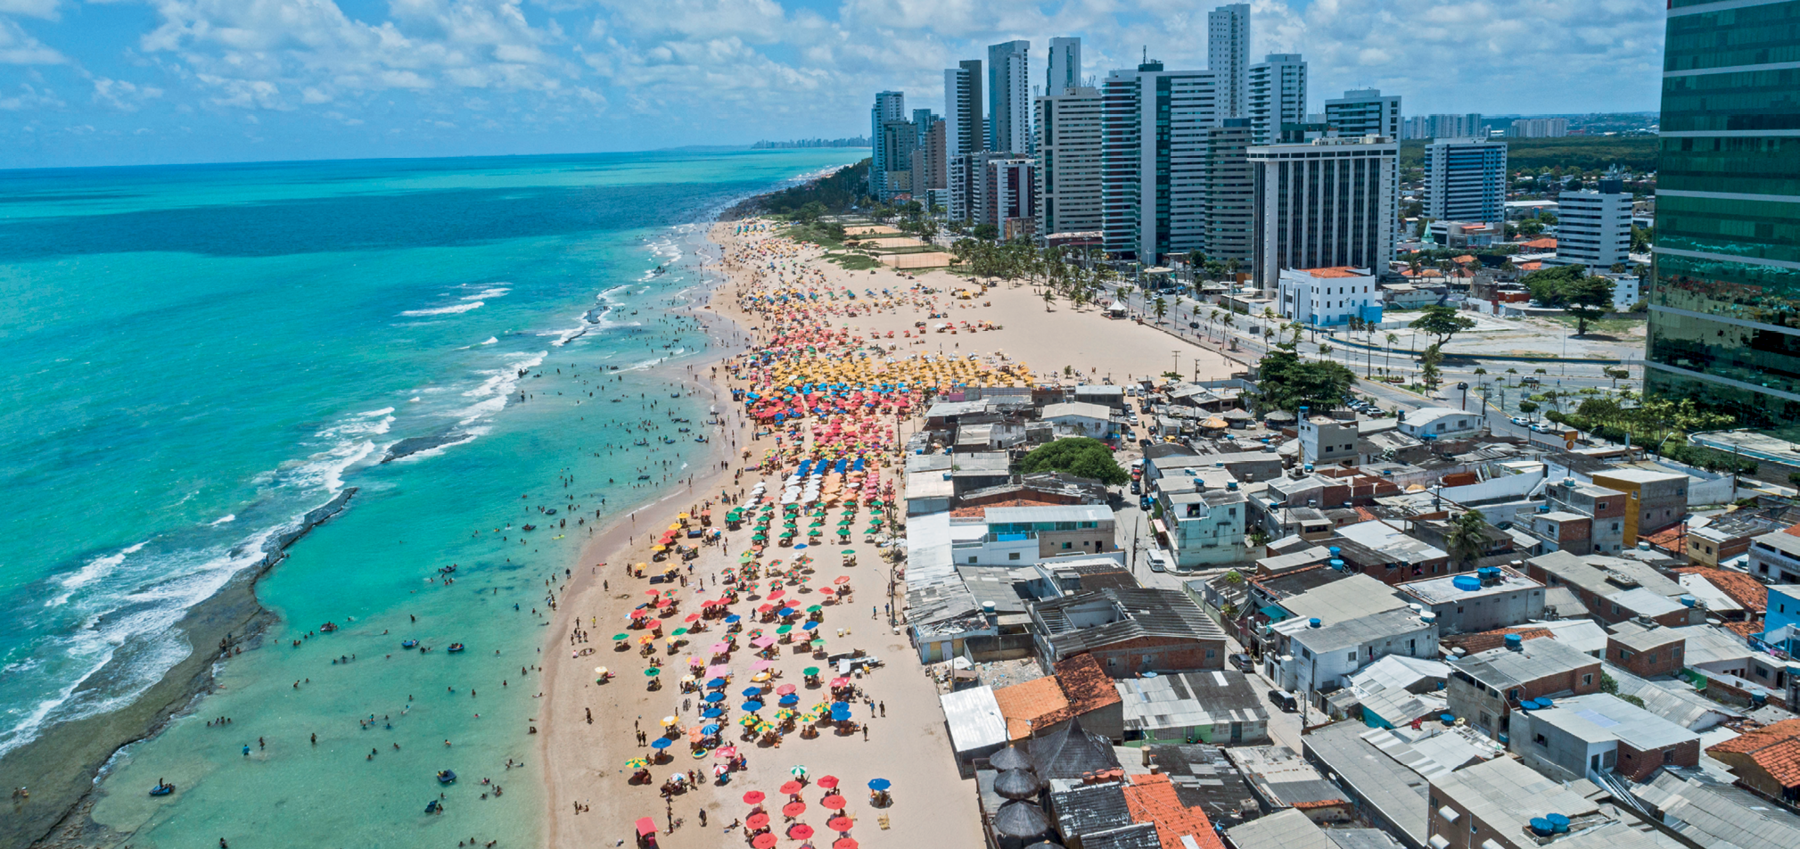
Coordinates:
198 355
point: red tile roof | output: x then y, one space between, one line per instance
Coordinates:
1087 686
1034 704
1464 259
1530 266
1151 798
1485 640
1775 748
1668 539
1546 243
1746 629
1340 271
1792 530
1739 586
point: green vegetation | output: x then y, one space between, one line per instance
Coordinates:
1285 382
854 262
1659 424
1442 322
832 193
825 234
1585 297
1467 537
1587 153
1080 456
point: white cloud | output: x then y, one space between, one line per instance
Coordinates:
17 47
120 94
45 9
27 97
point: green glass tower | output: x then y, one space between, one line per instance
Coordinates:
1725 301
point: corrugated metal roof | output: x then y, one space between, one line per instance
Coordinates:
1188 699
1050 513
1600 717
974 719
1289 829
1717 814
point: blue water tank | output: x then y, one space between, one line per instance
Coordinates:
1559 823
1528 705
1337 564
1541 827
1313 622
1545 703
1515 642
1466 583
1688 601
1447 718
1335 551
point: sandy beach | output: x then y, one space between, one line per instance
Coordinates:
790 301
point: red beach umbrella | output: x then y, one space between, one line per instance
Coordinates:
692 617
792 787
754 797
841 579
844 843
828 782
800 831
835 803
639 613
756 821
653 624
766 840
793 809
840 824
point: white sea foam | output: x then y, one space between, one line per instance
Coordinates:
449 310
226 519
94 570
492 340
496 292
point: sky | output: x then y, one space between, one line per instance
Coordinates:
118 82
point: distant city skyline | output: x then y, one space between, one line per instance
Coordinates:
108 83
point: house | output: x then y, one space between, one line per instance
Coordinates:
1316 654
1282 779
1153 799
1203 526
1327 440
1648 652
1406 556
1193 707
1078 418
1492 805
1396 690
1327 297
1104 394
1781 617
1765 760
1654 500
1486 688
1440 423
1722 539
1603 507
1027 534
1291 829
1079 689
1492 597
1204 778
1129 631
1708 811
1776 556
1384 789
1725 594
1589 736
1615 589
1070 753
977 727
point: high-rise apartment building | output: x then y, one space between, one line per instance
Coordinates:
1009 97
1327 203
1008 195
1277 95
889 106
1153 153
894 147
1593 228
1539 128
1228 55
1064 67
1230 194
1725 296
965 127
1068 162
929 159
1445 126
1365 112
1465 180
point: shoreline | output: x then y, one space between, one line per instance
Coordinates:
616 540
77 752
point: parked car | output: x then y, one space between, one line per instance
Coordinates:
1521 421
1242 662
1284 700
1136 488
1144 502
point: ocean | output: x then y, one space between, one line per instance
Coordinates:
197 356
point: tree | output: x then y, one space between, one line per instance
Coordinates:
1467 538
1528 407
1441 321
988 232
1585 297
1161 308
1385 357
1079 456
1286 382
1428 366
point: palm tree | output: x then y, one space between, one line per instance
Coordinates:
1387 357
1161 308
1467 538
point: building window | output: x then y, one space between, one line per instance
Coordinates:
1352 657
1541 740
1668 756
1587 680
1013 555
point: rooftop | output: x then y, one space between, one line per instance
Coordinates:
1152 799
1289 829
1505 793
1188 699
1391 788
974 719
1775 748
1204 778
1093 619
1505 668
1032 705
1600 717
1350 598
1340 271
1738 586
1444 588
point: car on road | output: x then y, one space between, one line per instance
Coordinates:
1136 488
1159 562
1284 700
1544 427
1521 421
1242 662
1531 380
1462 384
1193 325
1144 502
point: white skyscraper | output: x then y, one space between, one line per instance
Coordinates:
1277 96
964 127
1228 55
1327 203
1153 159
1364 112
1009 97
1068 161
1064 66
1593 228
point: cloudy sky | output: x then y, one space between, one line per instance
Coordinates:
102 82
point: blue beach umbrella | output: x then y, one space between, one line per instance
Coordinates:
710 729
662 743
733 619
810 626
789 700
714 697
712 713
786 611
879 784
751 707
752 692
715 683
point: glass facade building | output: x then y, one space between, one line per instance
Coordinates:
1725 302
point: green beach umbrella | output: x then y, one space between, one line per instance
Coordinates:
678 632
760 538
815 608
653 671
788 534
784 629
848 551
810 670
621 637
818 644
